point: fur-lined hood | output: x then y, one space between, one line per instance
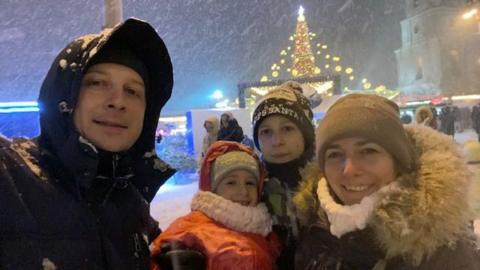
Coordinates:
429 210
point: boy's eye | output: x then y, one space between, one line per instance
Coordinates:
289 128
132 92
251 183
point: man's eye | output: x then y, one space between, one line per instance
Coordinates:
132 92
95 83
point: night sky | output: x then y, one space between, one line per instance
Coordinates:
214 44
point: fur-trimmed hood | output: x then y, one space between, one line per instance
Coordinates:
430 209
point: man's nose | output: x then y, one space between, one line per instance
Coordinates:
116 98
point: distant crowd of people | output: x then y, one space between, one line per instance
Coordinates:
360 191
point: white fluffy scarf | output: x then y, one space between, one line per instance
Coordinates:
251 219
348 218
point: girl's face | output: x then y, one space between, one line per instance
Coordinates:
356 168
239 186
280 139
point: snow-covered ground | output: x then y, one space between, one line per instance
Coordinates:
173 201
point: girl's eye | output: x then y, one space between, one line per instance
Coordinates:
251 183
265 132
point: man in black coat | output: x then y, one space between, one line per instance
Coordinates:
77 196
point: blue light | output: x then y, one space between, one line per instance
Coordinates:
217 94
19 106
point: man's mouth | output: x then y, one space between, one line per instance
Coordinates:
110 124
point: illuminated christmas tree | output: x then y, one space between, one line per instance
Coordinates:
310 59
303 59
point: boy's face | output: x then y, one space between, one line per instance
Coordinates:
239 186
280 139
111 106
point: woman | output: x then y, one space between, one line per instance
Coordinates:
381 196
284 134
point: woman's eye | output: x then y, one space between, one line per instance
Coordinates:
95 83
333 155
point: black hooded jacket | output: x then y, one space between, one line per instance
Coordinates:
64 204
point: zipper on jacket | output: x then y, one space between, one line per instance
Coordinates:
114 178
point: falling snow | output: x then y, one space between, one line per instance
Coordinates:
213 44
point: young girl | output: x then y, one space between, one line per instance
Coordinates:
227 224
384 196
284 134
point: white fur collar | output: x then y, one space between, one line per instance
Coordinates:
347 218
235 216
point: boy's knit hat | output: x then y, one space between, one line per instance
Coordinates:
286 100
367 116
225 156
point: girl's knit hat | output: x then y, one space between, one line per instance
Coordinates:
225 156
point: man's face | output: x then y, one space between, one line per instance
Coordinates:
111 106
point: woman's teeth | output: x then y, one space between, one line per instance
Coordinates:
356 188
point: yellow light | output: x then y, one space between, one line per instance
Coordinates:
319 52
295 72
283 52
275 74
327 66
282 61
469 14
264 78
291 38
318 44
338 68
289 48
367 85
364 80
336 59
327 56
324 47
317 70
352 78
349 70
288 70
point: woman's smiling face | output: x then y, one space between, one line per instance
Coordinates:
356 167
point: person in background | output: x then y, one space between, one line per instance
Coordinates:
476 119
284 134
228 224
382 195
211 126
77 196
424 116
230 130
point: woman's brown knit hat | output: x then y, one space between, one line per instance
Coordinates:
367 116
